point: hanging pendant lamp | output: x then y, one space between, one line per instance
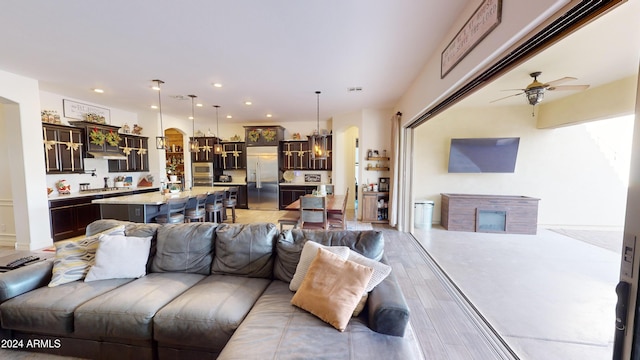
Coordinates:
217 147
318 142
194 146
161 141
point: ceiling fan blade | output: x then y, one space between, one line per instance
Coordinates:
568 87
513 90
560 81
506 97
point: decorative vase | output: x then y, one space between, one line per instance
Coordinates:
173 177
119 184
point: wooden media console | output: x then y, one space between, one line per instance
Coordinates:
490 213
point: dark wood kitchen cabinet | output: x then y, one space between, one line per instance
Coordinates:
136 149
263 135
63 146
291 193
296 155
99 138
70 217
233 156
205 150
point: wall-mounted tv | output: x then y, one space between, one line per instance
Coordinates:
483 155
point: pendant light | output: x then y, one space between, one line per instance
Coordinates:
217 147
194 146
161 141
317 142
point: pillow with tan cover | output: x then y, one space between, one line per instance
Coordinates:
309 252
332 288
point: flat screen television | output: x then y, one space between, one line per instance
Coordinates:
483 155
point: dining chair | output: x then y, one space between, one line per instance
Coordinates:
197 213
215 206
173 211
338 220
230 202
313 212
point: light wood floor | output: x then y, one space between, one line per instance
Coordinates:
443 324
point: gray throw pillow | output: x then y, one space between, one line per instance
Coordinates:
186 248
245 249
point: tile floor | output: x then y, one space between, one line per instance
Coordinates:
549 295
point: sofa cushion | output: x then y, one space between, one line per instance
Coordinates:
184 248
120 257
332 288
380 270
245 249
309 252
126 313
369 243
275 329
207 314
75 257
49 310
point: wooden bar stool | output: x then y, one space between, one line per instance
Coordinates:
290 218
230 203
215 206
198 212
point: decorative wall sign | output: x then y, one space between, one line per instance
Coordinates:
85 112
312 178
486 17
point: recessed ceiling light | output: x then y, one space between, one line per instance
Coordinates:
248 103
155 87
199 105
99 91
229 117
269 115
190 117
154 106
218 85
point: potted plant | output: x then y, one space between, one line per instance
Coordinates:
174 188
171 171
118 181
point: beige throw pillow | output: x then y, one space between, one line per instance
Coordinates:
74 257
332 288
309 251
380 270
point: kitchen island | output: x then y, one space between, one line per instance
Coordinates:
143 208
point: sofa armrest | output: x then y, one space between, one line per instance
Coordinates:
25 279
388 309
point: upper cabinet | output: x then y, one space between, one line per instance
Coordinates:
205 150
295 155
99 138
136 149
233 156
63 147
263 135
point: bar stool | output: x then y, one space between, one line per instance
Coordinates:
198 212
174 211
215 206
230 203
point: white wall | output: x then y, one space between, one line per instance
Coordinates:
567 168
22 136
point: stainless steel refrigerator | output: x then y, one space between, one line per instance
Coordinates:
262 177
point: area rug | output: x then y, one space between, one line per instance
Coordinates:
610 240
356 225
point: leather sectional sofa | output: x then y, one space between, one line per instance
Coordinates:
211 291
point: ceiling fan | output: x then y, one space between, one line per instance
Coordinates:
534 92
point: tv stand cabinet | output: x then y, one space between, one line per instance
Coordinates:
490 213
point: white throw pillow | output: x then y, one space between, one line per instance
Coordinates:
120 256
309 252
380 270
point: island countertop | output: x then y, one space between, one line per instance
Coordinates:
156 198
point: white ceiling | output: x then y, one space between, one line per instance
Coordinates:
605 50
274 53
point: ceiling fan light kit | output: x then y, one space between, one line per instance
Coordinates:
535 91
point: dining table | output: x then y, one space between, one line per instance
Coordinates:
335 204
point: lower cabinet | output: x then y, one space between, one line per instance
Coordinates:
375 207
70 217
289 194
